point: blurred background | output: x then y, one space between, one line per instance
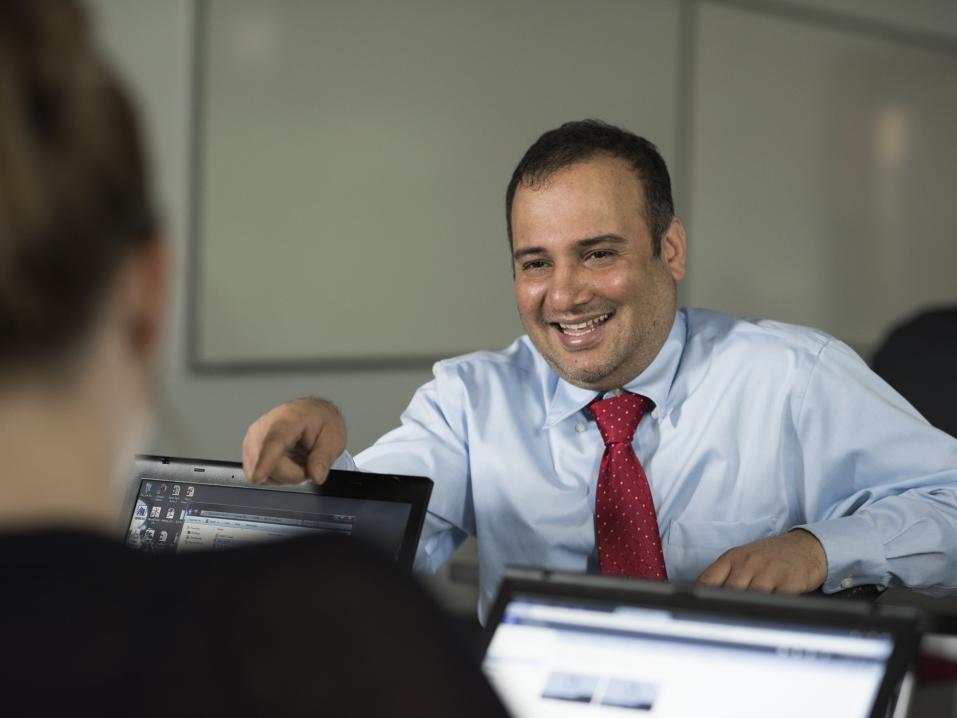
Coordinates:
333 176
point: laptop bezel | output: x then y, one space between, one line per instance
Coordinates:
903 623
412 490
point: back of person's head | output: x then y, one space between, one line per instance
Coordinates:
584 140
74 191
82 271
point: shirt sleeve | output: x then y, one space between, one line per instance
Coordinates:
880 482
431 441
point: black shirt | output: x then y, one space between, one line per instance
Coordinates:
312 626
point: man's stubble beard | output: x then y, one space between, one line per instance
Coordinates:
589 376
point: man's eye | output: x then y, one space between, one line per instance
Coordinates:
533 265
601 254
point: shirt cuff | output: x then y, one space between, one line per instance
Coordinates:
345 462
854 551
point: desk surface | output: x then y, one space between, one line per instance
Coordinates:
943 609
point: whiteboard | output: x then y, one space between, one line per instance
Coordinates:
353 156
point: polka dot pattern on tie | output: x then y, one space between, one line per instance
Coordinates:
626 526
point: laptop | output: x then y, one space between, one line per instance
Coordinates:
176 505
573 645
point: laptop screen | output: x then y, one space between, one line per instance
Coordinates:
177 510
549 657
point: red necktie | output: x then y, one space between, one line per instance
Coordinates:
626 527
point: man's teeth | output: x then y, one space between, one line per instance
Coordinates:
584 326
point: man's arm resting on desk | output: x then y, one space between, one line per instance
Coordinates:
878 483
798 561
886 544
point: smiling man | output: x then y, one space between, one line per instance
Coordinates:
594 288
626 436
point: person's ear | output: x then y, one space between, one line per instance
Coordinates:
145 289
673 248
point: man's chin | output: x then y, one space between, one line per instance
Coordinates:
587 377
574 367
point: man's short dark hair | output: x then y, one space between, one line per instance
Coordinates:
583 140
74 192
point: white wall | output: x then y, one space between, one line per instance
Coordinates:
823 167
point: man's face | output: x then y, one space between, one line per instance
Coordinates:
593 298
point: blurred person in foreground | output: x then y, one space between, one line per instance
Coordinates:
628 436
89 626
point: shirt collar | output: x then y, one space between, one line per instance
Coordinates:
654 382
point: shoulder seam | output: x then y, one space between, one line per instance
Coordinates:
810 376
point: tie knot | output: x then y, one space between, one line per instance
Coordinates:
618 416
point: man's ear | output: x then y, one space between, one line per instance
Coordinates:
673 248
145 289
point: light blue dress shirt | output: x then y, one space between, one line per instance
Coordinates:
759 427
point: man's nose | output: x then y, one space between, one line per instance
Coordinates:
568 289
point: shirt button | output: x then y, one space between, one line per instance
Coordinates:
579 427
654 413
847 583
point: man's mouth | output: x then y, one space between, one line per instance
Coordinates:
581 329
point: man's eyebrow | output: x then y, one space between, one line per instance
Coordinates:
526 251
600 239
580 244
